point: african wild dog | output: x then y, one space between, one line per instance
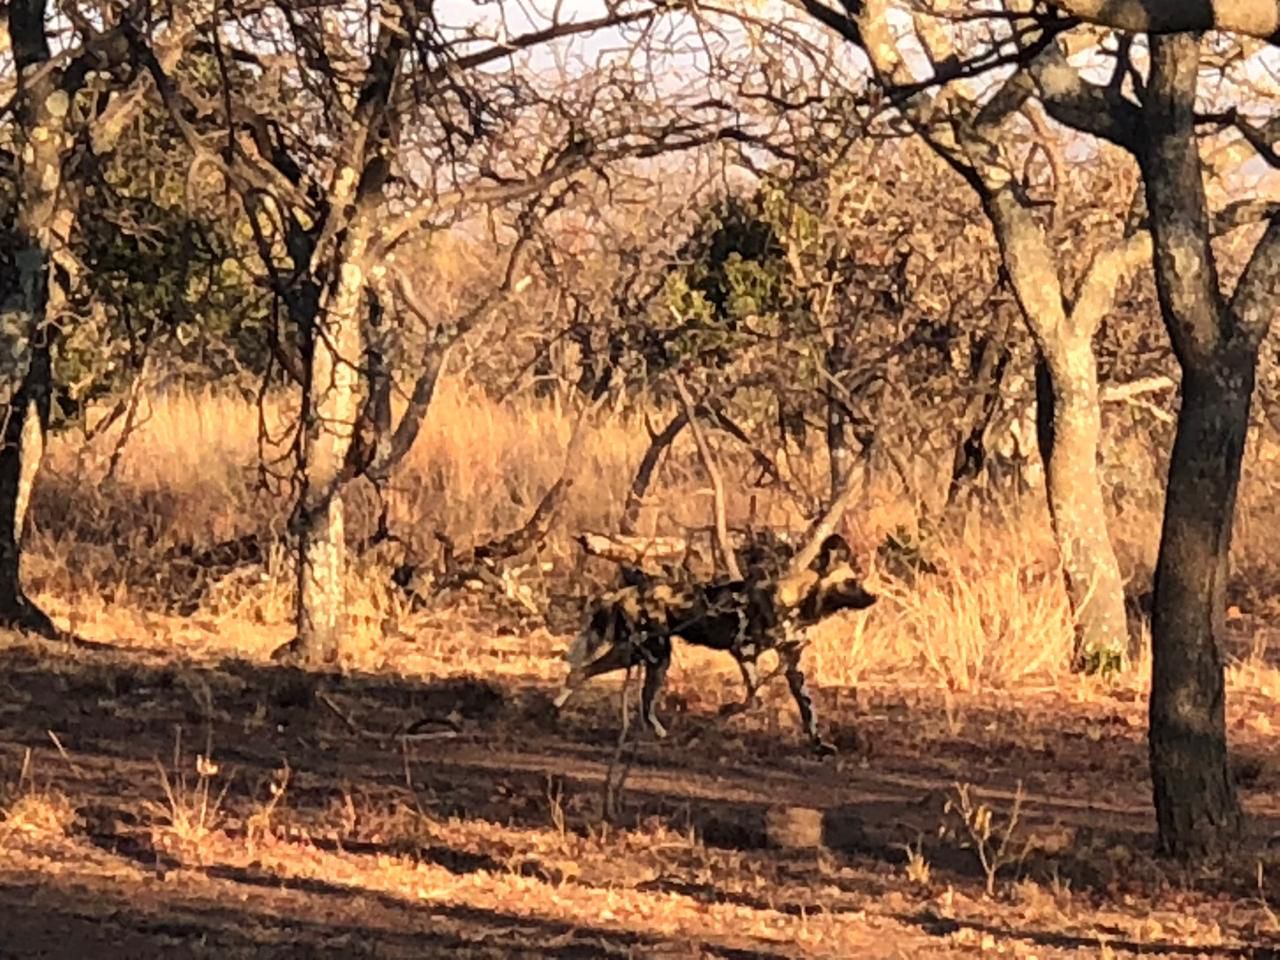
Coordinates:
633 626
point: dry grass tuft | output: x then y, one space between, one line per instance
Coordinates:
39 813
993 615
192 810
33 811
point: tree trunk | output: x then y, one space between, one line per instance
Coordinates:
1069 434
331 402
1073 482
1196 807
43 221
1216 344
26 421
331 408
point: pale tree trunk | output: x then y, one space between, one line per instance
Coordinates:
331 400
1063 330
1071 428
1078 509
331 407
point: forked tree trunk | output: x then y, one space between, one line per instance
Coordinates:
1070 430
1069 435
332 405
1195 800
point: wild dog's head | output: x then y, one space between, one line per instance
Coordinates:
831 583
841 586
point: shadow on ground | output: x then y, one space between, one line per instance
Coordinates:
102 725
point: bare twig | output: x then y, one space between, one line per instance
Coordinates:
409 733
615 777
825 526
644 473
717 482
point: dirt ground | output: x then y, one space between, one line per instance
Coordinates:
448 815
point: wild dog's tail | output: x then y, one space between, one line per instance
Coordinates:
578 653
592 642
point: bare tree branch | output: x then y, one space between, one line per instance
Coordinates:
723 546
1253 18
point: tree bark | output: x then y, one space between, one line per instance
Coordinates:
332 406
1078 510
331 401
1196 806
43 222
1254 18
1070 428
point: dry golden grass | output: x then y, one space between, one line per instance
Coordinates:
993 616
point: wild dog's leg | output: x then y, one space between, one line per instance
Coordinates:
750 675
790 656
746 660
658 659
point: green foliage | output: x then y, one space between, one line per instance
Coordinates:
1102 662
732 288
161 249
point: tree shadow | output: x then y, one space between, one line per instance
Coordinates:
1115 939
46 920
498 752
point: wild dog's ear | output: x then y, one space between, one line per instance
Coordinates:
833 551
